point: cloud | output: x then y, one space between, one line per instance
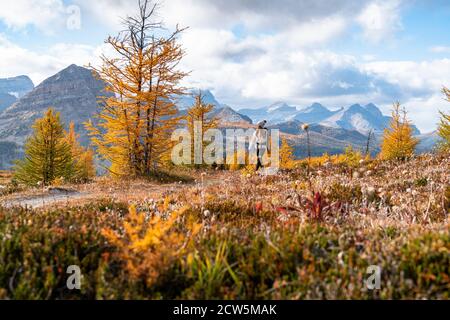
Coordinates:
251 53
440 49
380 20
416 78
255 70
46 15
38 66
224 14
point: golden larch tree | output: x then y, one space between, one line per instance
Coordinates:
287 160
47 153
444 125
398 141
134 126
199 121
84 167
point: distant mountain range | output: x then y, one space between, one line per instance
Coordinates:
74 92
355 117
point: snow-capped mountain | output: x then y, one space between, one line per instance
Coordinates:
277 112
355 117
313 114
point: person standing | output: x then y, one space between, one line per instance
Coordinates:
259 141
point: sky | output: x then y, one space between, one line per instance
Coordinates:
252 53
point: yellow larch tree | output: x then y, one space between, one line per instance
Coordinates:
287 160
398 141
200 113
444 125
47 153
134 126
84 168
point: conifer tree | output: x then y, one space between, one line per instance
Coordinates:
47 153
398 142
199 113
84 168
135 125
444 125
287 160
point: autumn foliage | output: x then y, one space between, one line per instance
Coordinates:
444 125
398 141
135 125
47 153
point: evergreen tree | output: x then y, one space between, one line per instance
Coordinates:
84 168
398 142
287 160
47 153
444 126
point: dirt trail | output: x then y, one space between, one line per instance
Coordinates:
51 197
60 196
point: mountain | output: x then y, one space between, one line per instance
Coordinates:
223 112
186 101
12 89
427 141
313 114
277 112
6 100
228 115
282 112
73 91
323 139
355 117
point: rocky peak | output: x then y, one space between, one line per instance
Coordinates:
74 92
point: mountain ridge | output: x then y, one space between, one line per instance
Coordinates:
364 119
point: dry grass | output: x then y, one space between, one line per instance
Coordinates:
287 236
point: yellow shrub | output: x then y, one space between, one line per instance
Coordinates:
148 247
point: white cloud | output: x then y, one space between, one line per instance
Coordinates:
45 15
16 60
440 49
380 19
416 78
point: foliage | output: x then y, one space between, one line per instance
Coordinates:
287 160
199 113
352 157
84 168
398 142
135 124
444 125
47 153
148 246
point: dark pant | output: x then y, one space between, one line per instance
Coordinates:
258 159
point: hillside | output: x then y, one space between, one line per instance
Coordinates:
73 91
12 89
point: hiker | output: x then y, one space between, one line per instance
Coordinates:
259 141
